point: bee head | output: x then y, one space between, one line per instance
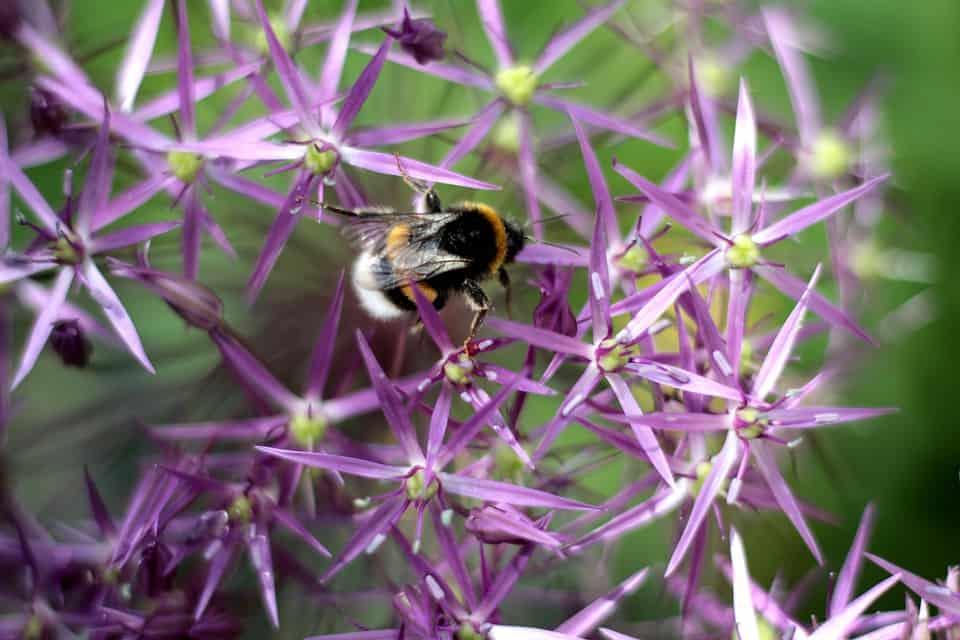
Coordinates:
516 239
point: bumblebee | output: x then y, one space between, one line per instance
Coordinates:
444 251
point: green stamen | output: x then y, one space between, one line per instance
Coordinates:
635 259
750 423
743 253
517 84
279 26
308 429
418 489
830 156
468 632
184 165
613 356
240 510
65 252
319 162
458 372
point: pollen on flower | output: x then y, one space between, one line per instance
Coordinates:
517 84
418 489
318 160
240 510
458 372
184 165
713 76
65 251
750 423
613 356
634 259
468 632
743 253
830 156
702 471
308 428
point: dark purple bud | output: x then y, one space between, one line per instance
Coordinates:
10 19
420 38
195 303
47 114
70 343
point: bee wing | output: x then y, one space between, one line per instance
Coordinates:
368 228
419 259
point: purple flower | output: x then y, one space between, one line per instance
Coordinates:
69 342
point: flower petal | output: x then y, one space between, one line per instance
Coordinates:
386 164
360 90
101 291
323 350
494 491
744 613
744 171
331 462
491 17
567 39
43 325
593 615
137 56
850 572
131 236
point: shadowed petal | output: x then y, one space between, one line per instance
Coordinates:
803 95
43 325
386 164
527 165
542 338
204 87
397 133
336 55
258 547
811 214
705 122
840 625
561 43
603 120
137 56
101 291
280 230
803 417
343 464
438 424
564 255
593 615
130 200
491 17
432 322
675 208
482 123
131 235
942 597
185 81
393 408
744 162
288 521
448 72
776 358
376 524
795 288
289 74
577 395
850 572
647 439
215 572
494 491
360 90
469 429
322 357
662 503
720 468
252 373
744 613
251 429
98 181
767 464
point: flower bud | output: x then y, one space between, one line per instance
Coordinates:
47 114
420 38
195 303
70 343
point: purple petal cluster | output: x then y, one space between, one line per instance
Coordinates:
446 488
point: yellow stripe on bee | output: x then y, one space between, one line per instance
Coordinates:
428 292
397 238
499 232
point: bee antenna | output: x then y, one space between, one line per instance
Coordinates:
552 244
550 219
333 208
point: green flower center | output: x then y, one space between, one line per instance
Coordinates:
830 156
418 489
458 372
506 135
258 36
765 631
184 165
240 510
468 632
743 253
308 428
517 84
613 356
750 423
33 630
713 76
635 259
702 471
319 161
65 252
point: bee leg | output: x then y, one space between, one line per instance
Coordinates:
479 302
504 279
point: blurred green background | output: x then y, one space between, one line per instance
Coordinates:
907 463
